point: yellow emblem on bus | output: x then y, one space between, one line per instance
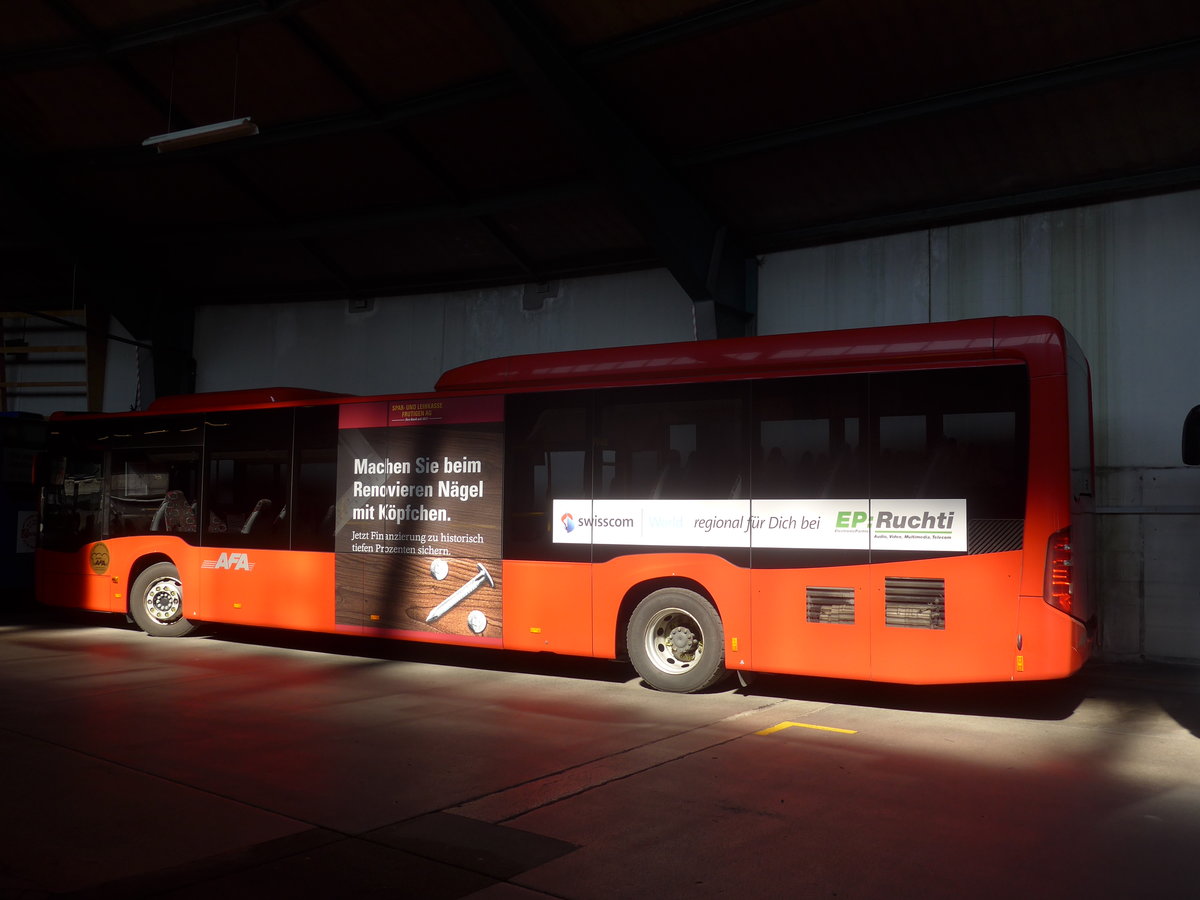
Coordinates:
98 559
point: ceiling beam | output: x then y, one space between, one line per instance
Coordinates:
248 12
1165 56
375 116
94 45
698 256
113 251
714 18
701 252
1178 53
433 166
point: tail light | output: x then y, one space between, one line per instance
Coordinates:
1057 590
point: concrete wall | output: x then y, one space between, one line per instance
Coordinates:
1121 276
404 344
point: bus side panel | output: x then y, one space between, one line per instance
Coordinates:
548 607
67 579
1053 644
98 575
727 584
272 588
977 637
833 640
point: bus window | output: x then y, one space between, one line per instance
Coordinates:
153 491
546 454
312 522
955 434
247 487
673 443
71 499
142 471
809 438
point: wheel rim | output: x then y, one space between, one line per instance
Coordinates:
674 641
164 600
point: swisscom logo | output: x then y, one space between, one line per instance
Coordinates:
568 522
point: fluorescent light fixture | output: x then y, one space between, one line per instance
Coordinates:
204 134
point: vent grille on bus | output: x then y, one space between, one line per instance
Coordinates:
915 602
994 535
831 605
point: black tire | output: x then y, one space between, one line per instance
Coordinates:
156 602
676 641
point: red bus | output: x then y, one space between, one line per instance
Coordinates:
904 504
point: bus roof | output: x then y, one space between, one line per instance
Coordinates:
1038 341
251 398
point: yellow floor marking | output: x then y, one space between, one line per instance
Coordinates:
783 725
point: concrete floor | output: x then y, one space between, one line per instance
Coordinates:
252 763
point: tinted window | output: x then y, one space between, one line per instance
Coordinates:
248 472
118 477
153 490
957 434
71 498
810 441
952 434
546 457
682 442
312 516
676 442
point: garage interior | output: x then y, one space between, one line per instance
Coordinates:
428 184
421 148
356 195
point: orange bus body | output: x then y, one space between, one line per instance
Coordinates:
998 623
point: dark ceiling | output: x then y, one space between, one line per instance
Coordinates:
428 145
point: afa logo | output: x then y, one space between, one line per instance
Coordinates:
234 561
568 522
99 559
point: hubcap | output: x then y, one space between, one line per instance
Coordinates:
674 641
164 600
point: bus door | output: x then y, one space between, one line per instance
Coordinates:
547 570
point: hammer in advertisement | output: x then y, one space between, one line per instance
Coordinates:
458 596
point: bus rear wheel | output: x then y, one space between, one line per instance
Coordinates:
156 602
676 641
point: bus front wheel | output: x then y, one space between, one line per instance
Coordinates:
676 641
156 602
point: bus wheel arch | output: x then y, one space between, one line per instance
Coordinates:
674 636
156 598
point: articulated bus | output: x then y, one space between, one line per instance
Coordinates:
905 504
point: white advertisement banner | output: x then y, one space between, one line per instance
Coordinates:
922 525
